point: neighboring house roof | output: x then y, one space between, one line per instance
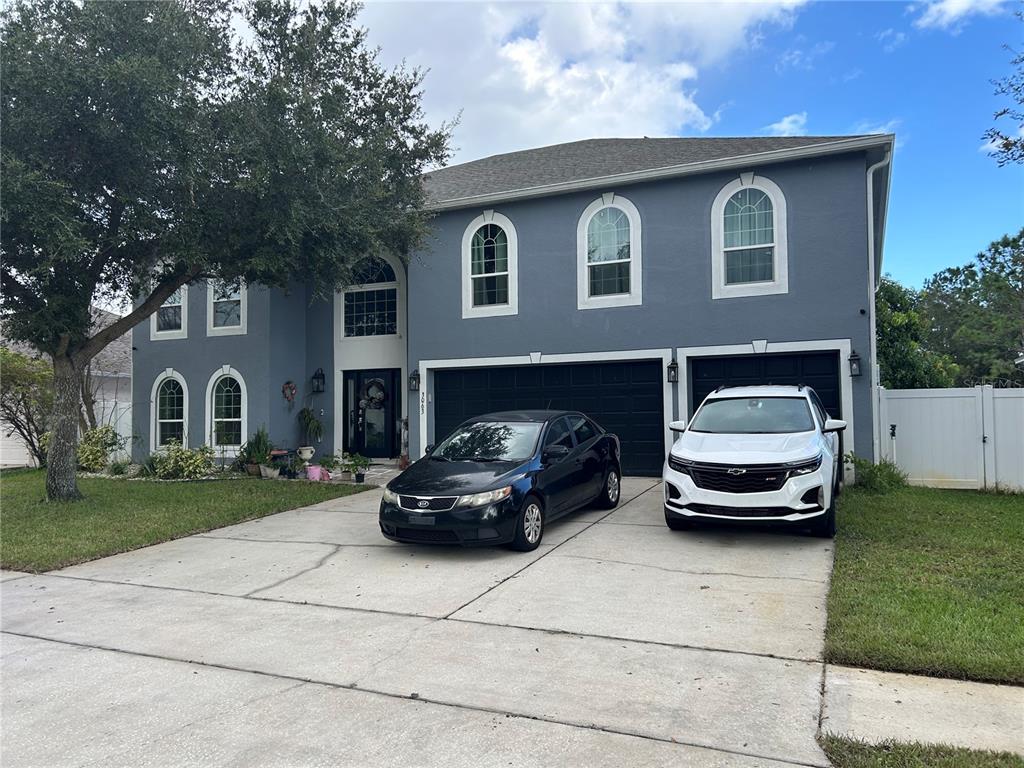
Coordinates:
113 360
598 162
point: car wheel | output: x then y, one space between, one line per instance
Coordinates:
678 523
825 526
529 526
611 491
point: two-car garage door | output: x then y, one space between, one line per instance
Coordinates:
623 397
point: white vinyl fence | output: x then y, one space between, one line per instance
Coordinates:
116 413
955 438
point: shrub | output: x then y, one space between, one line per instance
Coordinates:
256 450
118 468
96 446
882 477
176 462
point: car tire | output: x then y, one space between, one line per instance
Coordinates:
678 523
611 490
825 526
529 526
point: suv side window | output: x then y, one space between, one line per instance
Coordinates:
818 406
583 429
559 434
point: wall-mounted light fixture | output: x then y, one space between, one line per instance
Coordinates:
414 381
854 364
673 372
319 380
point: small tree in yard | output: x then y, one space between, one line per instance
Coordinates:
146 146
26 398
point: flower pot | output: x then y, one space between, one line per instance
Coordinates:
306 452
346 475
253 469
269 472
314 473
360 477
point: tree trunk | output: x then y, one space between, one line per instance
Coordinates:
88 399
62 453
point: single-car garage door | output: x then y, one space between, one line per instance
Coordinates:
624 398
819 370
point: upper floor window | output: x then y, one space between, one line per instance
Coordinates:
170 321
371 305
225 307
169 410
490 267
609 269
226 411
748 239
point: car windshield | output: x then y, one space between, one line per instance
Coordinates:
490 441
753 416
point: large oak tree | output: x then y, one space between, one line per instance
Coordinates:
147 145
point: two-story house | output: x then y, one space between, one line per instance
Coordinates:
626 278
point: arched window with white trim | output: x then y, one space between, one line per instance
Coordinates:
371 302
168 410
490 261
609 259
226 411
749 239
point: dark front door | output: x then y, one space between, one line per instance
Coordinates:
373 406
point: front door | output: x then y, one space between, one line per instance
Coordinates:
372 406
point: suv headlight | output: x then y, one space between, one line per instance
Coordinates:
485 498
798 468
390 496
680 465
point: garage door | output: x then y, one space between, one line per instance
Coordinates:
819 370
624 398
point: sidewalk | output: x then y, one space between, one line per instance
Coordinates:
875 706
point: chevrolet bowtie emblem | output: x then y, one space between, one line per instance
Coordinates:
736 471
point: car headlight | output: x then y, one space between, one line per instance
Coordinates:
798 468
485 498
390 496
680 465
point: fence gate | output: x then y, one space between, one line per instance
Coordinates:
955 438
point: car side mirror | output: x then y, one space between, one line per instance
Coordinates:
834 425
677 426
554 453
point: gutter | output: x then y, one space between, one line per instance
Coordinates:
672 171
874 279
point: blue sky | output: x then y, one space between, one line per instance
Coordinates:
532 74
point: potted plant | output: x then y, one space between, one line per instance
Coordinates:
343 465
255 451
357 465
313 430
293 468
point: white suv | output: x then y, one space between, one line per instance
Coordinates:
756 455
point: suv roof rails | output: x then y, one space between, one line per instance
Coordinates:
800 387
720 387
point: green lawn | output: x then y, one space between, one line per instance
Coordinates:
845 753
120 515
931 582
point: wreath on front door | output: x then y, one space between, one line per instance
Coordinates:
288 389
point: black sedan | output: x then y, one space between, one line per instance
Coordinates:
500 478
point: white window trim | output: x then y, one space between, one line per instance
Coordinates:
396 267
635 296
243 312
780 264
181 333
496 310
226 450
167 373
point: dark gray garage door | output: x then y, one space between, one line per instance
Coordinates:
819 370
624 398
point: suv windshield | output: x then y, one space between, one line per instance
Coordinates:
754 416
490 441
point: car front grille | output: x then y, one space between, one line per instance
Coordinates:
427 535
738 479
434 503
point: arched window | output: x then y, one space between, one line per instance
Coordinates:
168 410
608 248
749 239
489 264
371 305
226 411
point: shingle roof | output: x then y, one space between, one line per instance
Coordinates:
595 159
115 358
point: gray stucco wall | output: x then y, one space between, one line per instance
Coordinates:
828 277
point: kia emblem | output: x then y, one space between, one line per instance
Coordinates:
422 503
736 471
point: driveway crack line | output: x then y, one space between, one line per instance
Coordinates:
335 549
426 700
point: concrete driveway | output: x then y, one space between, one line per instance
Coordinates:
307 639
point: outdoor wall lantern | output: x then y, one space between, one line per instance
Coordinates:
673 372
319 380
414 381
854 364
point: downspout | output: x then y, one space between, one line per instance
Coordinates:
872 290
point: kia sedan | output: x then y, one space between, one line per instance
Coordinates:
501 478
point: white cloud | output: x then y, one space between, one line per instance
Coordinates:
803 57
790 125
525 74
890 126
891 39
950 14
